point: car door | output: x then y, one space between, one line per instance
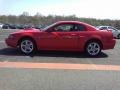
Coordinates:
59 38
68 39
72 36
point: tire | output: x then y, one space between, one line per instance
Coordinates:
118 36
27 46
93 48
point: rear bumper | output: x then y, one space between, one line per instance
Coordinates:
109 44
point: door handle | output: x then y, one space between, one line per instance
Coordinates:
65 37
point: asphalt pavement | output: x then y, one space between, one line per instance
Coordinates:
44 79
12 78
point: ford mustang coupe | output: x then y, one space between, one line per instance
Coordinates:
63 36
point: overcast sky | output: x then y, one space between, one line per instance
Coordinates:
100 9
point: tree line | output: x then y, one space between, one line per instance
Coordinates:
39 19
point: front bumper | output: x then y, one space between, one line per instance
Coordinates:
11 42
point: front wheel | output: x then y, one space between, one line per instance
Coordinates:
93 48
27 46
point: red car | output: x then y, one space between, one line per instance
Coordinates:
63 36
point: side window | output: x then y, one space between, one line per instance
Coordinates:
64 27
79 27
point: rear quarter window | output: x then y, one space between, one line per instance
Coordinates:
79 27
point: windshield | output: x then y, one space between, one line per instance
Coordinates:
44 29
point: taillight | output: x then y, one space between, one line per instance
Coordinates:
111 35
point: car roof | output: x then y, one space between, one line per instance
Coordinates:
75 22
71 22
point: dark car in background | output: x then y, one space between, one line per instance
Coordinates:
9 26
21 26
12 26
5 26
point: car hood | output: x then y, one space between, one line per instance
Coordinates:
30 30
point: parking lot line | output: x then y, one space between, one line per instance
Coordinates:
58 66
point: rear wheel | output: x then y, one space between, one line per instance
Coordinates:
27 46
93 48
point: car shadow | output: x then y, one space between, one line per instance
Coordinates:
16 52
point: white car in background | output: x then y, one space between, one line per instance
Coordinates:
116 32
1 25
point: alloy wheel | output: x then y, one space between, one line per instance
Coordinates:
27 46
93 48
